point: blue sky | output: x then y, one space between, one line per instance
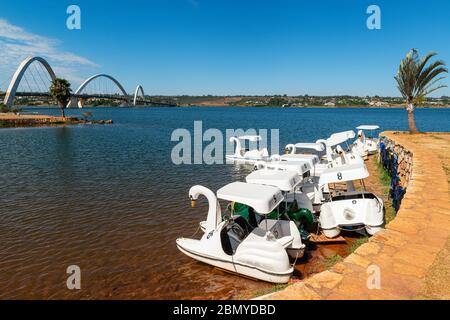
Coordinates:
227 46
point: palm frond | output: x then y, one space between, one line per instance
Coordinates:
423 76
435 89
429 79
424 61
432 83
416 77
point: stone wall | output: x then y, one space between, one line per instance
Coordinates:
398 161
404 156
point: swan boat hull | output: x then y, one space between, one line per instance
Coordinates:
237 268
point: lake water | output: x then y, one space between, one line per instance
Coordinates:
108 198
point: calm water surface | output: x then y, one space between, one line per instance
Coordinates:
108 198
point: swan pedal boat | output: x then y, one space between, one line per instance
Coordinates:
270 173
364 145
335 157
245 154
334 153
286 182
233 244
349 209
297 207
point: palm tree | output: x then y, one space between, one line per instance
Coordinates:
61 92
415 80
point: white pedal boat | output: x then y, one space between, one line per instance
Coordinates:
364 145
291 186
349 209
287 182
242 153
312 156
302 168
234 245
335 154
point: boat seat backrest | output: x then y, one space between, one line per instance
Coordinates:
280 229
254 219
230 238
235 240
354 195
285 241
242 222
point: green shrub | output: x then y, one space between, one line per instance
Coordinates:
4 108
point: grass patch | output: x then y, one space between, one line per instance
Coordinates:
355 245
384 176
263 291
385 180
389 212
332 260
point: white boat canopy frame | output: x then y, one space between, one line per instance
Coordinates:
340 137
308 145
368 127
263 199
250 138
348 172
284 180
300 167
319 147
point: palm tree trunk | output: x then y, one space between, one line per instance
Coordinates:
411 120
61 106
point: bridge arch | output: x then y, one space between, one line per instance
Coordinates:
15 81
117 83
136 92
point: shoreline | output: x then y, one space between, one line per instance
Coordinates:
11 120
314 107
218 105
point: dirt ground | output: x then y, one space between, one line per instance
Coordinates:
437 281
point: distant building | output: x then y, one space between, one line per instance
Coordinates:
378 103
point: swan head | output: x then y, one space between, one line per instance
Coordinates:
194 193
197 191
290 148
322 141
214 213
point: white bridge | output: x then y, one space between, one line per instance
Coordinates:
34 75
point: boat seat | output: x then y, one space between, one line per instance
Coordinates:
350 195
254 219
280 230
233 235
285 241
242 222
